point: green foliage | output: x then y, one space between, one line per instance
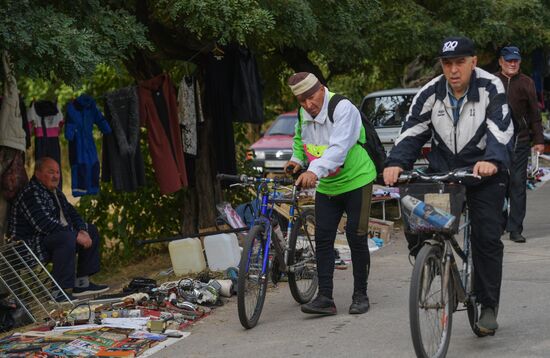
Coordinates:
104 79
222 21
56 40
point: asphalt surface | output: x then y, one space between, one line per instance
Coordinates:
283 331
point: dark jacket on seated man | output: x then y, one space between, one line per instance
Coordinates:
43 218
36 214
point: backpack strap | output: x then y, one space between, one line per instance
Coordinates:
332 103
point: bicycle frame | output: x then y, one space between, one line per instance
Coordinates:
265 217
450 244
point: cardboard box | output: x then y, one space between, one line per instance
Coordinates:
380 228
377 227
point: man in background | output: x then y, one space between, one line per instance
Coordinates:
522 99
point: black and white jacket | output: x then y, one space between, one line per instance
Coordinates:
483 131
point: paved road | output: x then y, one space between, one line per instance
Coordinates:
283 331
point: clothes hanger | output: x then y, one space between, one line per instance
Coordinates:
217 52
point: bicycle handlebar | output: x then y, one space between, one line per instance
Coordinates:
438 177
250 180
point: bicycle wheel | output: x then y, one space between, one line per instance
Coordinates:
301 253
430 304
252 281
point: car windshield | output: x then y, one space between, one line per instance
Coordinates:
283 125
387 111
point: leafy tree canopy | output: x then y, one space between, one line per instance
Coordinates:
66 39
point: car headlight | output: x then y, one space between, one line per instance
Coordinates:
259 154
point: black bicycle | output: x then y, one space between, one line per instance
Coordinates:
434 205
294 254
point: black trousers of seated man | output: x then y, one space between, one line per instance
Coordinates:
63 250
328 213
486 203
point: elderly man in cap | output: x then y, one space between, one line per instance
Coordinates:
329 133
522 99
464 113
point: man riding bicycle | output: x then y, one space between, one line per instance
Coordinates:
464 112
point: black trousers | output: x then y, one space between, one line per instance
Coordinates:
62 249
486 203
328 212
517 190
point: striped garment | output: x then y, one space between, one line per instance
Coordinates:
483 131
35 214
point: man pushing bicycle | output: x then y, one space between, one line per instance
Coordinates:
331 144
464 112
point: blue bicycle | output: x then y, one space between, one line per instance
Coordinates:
294 253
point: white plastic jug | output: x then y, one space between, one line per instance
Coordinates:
222 251
186 256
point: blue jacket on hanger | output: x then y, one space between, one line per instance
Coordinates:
82 114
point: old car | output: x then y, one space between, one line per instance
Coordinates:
274 148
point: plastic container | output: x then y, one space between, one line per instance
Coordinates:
222 251
186 256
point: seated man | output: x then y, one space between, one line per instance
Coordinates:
43 218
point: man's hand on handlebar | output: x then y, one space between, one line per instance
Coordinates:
391 174
307 180
484 169
292 167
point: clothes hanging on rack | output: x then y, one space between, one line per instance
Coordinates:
159 113
187 114
82 114
122 160
218 94
46 120
247 88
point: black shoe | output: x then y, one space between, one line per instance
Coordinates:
320 305
360 303
487 323
91 289
516 237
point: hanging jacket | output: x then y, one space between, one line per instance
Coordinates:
522 99
82 114
11 130
247 88
158 112
122 159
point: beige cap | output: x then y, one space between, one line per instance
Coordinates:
303 84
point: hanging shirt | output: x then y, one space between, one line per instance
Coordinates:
45 121
187 115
